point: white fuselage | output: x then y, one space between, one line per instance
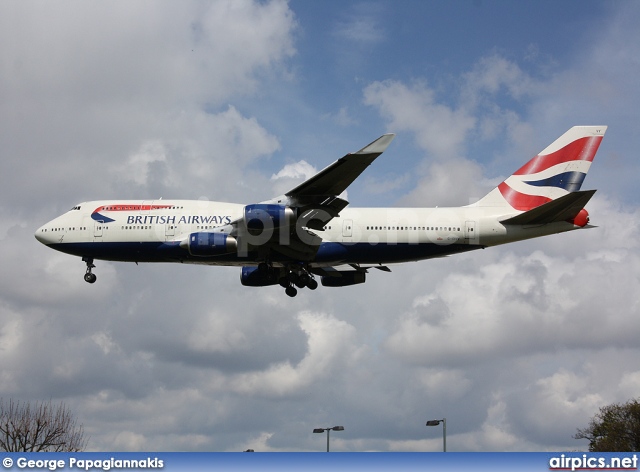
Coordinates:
150 231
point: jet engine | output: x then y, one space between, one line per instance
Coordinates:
210 244
348 277
267 217
253 277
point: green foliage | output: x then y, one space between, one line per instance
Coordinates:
615 428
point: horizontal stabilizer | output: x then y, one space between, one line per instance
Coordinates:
564 208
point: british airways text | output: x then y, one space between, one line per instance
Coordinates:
187 220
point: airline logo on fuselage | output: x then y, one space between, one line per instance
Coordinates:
99 214
184 219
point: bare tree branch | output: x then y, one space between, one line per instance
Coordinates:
42 427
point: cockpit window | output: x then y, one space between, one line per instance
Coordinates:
77 207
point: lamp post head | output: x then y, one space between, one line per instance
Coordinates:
433 422
328 430
322 430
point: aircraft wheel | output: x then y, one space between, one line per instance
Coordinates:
312 284
90 278
284 283
291 291
302 281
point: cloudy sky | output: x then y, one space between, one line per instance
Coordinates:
516 346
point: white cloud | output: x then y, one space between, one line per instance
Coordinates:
443 130
495 432
329 347
451 382
301 170
137 167
516 306
291 175
439 129
100 91
105 52
453 182
492 74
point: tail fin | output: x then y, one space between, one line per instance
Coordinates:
557 171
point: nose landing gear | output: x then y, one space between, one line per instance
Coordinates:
89 276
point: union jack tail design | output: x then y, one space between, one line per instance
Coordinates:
557 171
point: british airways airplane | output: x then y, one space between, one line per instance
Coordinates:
309 232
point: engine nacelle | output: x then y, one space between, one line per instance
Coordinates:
252 277
210 244
261 217
581 219
349 277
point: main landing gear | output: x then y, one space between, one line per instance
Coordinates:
291 278
299 279
89 276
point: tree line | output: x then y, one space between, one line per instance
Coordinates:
45 427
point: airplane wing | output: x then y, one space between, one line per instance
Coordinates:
313 203
317 199
334 180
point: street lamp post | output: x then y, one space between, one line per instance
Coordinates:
322 430
444 430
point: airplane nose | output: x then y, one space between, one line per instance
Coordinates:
41 235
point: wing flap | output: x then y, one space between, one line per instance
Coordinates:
336 271
316 217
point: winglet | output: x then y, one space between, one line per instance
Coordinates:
378 146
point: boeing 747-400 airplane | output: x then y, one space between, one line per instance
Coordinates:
309 231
